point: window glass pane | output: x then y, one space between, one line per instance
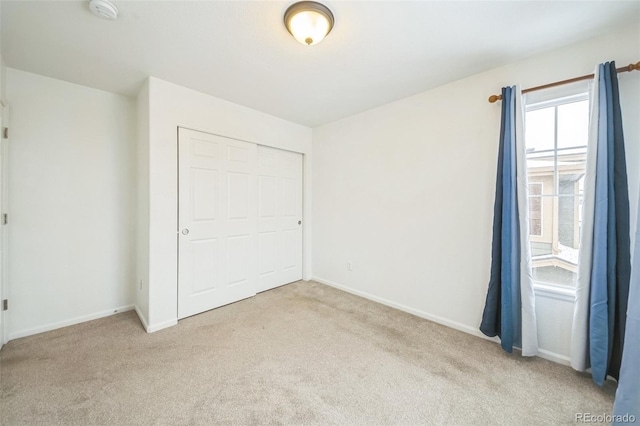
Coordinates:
554 257
535 208
539 130
556 186
569 234
539 140
554 275
573 124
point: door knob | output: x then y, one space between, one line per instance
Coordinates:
185 231
299 222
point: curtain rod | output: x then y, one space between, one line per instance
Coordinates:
630 67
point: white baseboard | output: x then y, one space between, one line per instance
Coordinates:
404 308
154 327
68 322
142 319
542 353
161 325
555 357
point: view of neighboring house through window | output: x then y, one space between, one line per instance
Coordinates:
535 209
556 139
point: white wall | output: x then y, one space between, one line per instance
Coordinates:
172 106
142 219
406 191
3 80
72 196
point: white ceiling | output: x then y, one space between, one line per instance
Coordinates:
378 51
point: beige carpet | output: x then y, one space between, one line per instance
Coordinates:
300 354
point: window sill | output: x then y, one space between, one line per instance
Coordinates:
554 292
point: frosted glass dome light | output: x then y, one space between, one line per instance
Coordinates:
308 21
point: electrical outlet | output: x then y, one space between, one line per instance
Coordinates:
349 266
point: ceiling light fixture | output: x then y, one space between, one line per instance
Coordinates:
104 9
308 21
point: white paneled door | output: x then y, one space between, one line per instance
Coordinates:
217 221
239 220
279 217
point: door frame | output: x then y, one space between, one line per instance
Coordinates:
4 234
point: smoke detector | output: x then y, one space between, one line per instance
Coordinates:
104 9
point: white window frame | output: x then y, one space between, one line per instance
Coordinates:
554 97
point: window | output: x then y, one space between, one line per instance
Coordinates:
535 209
556 133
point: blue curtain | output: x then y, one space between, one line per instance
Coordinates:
611 263
502 314
628 393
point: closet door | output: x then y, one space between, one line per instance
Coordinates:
217 221
279 217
